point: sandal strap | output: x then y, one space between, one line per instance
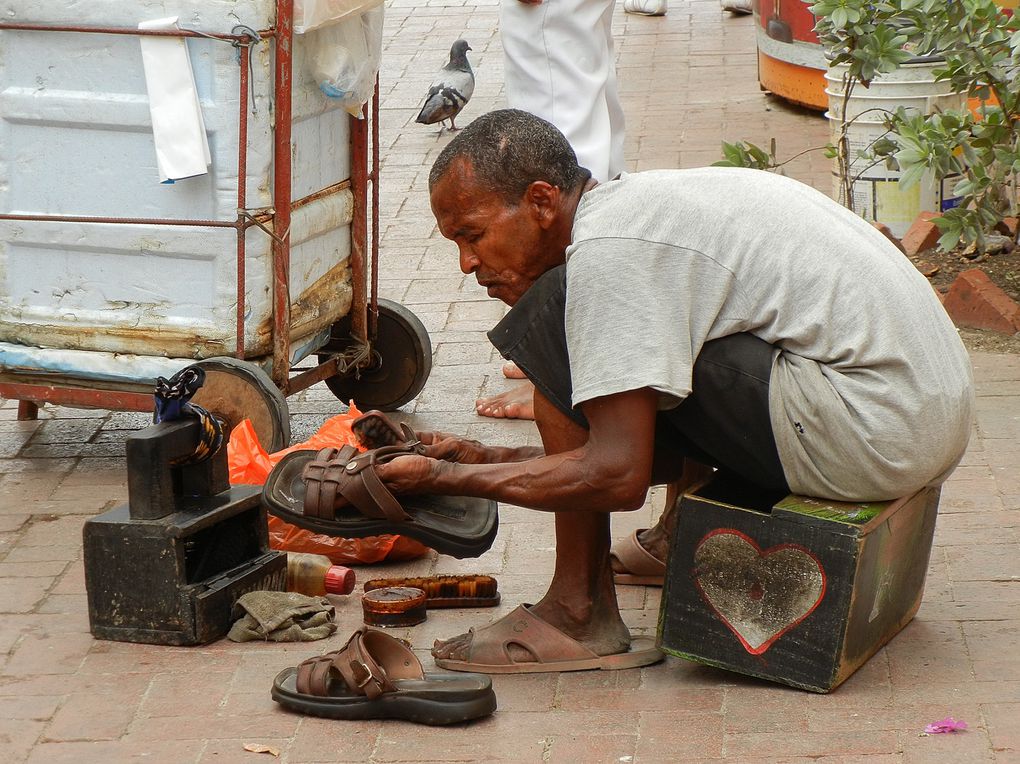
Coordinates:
366 491
322 476
360 670
313 675
347 474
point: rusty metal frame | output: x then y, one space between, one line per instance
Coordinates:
275 222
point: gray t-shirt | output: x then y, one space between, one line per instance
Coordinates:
871 392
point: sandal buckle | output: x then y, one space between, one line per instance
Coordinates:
359 670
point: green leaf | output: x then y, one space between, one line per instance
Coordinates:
949 240
732 153
912 176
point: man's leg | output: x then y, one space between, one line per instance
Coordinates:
581 600
725 423
559 65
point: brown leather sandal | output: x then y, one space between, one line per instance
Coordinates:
337 492
375 430
375 676
546 647
343 476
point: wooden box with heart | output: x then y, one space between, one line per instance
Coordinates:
792 589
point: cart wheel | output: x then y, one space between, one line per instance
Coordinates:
237 390
401 361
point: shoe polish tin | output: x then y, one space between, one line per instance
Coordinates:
394 606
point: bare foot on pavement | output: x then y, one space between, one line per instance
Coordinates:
512 371
518 403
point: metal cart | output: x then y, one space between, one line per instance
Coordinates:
367 349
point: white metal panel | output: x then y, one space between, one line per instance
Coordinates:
75 139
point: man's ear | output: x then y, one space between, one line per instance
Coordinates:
543 199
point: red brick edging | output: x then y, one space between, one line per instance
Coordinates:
973 300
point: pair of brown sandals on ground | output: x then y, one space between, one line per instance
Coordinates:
336 491
375 676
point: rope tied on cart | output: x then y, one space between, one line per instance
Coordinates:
241 35
173 402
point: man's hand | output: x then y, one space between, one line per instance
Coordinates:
451 448
408 474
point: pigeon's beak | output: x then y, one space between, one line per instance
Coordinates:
470 48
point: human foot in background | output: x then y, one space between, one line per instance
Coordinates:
518 403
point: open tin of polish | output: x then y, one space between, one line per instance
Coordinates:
394 606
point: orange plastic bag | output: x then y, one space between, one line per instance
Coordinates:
251 465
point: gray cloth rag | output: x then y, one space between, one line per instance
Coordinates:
282 617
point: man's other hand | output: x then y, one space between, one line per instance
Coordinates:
407 474
452 448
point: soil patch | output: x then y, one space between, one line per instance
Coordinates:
990 342
942 268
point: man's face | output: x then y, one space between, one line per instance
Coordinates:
502 245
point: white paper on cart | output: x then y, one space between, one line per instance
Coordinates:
178 129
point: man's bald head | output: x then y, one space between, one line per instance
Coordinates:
510 149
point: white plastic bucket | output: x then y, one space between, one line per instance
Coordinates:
877 194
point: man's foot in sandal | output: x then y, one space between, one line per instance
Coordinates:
634 563
639 559
523 642
375 676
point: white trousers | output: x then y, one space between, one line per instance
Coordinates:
559 65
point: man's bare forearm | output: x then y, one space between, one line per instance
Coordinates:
511 455
562 482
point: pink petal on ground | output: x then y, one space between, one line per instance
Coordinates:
948 724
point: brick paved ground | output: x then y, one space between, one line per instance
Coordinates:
688 82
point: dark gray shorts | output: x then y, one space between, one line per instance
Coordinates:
724 422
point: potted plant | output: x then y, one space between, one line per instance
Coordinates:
979 46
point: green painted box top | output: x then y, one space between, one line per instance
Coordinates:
812 510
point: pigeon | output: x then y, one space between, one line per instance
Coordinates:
451 89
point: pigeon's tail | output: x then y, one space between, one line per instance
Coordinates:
424 116
443 104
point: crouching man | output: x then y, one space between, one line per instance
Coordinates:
723 317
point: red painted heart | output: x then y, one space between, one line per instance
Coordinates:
759 595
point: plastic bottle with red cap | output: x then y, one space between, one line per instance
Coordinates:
316 575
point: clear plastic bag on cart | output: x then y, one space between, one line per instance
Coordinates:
345 58
312 14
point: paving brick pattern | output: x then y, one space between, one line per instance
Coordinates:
688 81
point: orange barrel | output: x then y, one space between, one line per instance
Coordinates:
790 59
